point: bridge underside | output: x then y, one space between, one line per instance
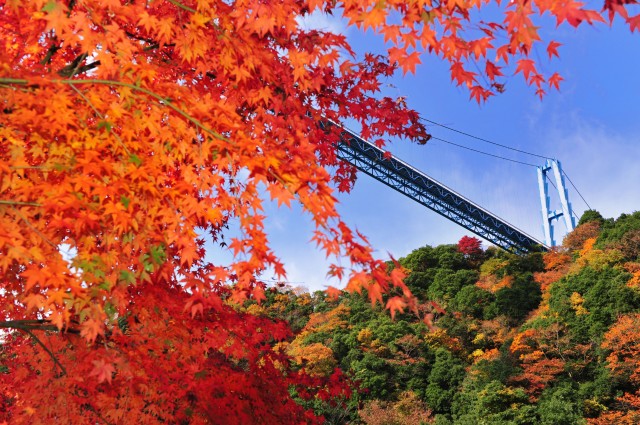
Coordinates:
400 176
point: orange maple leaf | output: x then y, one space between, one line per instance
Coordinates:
527 67
375 17
103 371
333 293
492 71
552 49
91 328
394 305
408 63
554 81
280 193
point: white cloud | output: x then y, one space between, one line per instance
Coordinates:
603 164
322 22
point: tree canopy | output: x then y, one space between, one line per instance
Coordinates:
134 134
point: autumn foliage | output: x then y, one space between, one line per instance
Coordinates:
470 246
623 343
134 134
157 365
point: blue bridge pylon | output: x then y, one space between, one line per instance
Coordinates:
548 215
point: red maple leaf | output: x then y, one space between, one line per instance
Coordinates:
552 49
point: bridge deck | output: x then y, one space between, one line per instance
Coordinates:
425 190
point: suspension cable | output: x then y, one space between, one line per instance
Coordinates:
574 186
483 152
485 140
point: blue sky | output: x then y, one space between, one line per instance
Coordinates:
592 126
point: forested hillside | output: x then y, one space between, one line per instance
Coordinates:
497 339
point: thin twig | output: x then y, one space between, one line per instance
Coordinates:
28 204
156 96
90 407
20 81
53 357
86 99
182 6
133 87
30 167
28 223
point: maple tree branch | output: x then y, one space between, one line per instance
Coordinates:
164 101
153 44
100 116
182 6
29 204
140 38
156 96
91 408
28 223
151 47
53 357
84 68
50 52
25 325
71 69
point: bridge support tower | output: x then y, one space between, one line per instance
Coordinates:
548 215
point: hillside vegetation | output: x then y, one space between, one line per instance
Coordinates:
548 338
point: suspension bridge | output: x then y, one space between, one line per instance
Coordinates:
427 191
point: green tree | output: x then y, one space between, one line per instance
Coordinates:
517 300
447 283
494 404
614 231
444 381
605 296
590 215
472 300
560 405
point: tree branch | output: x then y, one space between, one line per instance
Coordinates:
182 6
101 117
29 204
33 325
156 96
53 357
72 68
91 408
162 100
50 52
28 223
26 324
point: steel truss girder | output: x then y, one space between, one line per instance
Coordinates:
423 189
